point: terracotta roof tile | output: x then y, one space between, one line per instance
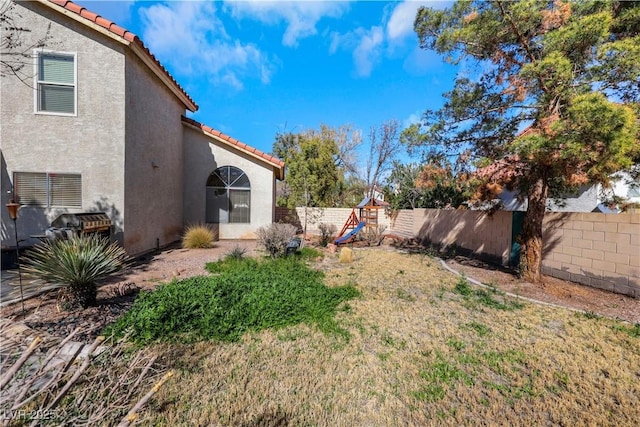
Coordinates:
104 23
121 32
75 8
88 14
240 145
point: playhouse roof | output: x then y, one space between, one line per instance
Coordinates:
368 201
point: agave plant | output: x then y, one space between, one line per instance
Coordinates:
77 263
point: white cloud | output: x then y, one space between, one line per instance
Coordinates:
300 17
368 46
191 37
365 46
413 118
400 24
367 53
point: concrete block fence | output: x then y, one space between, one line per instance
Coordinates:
485 235
594 249
335 216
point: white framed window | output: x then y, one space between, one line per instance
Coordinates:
228 196
62 190
56 83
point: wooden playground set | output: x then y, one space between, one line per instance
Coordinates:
367 217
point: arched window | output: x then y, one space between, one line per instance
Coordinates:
228 196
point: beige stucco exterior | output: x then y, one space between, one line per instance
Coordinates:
139 162
204 154
90 143
153 162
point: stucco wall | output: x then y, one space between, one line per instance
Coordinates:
203 155
153 161
91 143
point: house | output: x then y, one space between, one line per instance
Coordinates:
588 198
102 127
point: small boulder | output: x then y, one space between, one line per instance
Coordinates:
346 255
332 248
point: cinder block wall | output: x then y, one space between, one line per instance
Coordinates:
402 223
335 216
483 234
595 249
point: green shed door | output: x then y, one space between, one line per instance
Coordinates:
517 221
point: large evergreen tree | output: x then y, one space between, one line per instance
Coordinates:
551 104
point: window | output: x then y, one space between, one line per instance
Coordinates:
634 190
228 196
48 189
56 83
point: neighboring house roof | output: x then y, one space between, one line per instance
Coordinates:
110 29
228 141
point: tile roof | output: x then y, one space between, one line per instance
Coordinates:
96 21
279 164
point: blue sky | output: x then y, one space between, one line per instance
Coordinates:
256 68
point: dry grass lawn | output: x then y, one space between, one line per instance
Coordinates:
418 354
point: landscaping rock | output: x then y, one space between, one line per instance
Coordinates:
346 255
332 248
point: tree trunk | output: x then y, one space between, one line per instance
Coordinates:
531 252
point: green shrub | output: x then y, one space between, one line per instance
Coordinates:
462 287
309 253
236 253
485 297
632 331
247 295
77 264
275 238
198 237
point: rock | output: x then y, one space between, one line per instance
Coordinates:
332 248
346 255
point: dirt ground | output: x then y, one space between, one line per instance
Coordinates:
44 314
553 291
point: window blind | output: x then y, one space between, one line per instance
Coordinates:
48 190
59 99
65 190
239 201
56 69
31 188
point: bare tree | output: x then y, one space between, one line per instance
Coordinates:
16 54
348 140
384 147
